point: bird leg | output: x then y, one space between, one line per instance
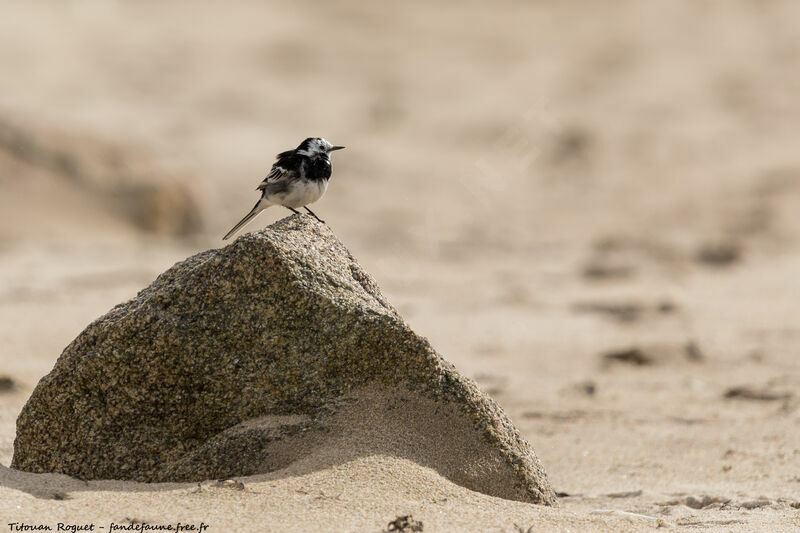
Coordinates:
295 211
313 214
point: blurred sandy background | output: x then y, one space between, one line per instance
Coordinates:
535 185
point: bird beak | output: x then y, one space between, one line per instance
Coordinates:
332 148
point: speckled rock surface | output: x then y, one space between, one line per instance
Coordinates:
245 359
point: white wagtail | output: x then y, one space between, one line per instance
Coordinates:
299 177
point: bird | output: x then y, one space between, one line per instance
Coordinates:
299 177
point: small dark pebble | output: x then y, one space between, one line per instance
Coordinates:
704 501
571 144
667 307
747 393
404 523
693 352
632 356
718 253
601 271
622 312
7 384
589 388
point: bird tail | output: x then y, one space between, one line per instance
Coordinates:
260 206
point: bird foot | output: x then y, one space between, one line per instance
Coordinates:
313 214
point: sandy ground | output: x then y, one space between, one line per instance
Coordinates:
536 186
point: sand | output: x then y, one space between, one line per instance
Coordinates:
533 186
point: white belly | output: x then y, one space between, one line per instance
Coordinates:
301 193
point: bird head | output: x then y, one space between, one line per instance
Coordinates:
316 147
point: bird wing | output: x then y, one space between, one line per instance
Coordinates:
275 174
280 170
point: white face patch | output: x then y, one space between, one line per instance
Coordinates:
319 146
